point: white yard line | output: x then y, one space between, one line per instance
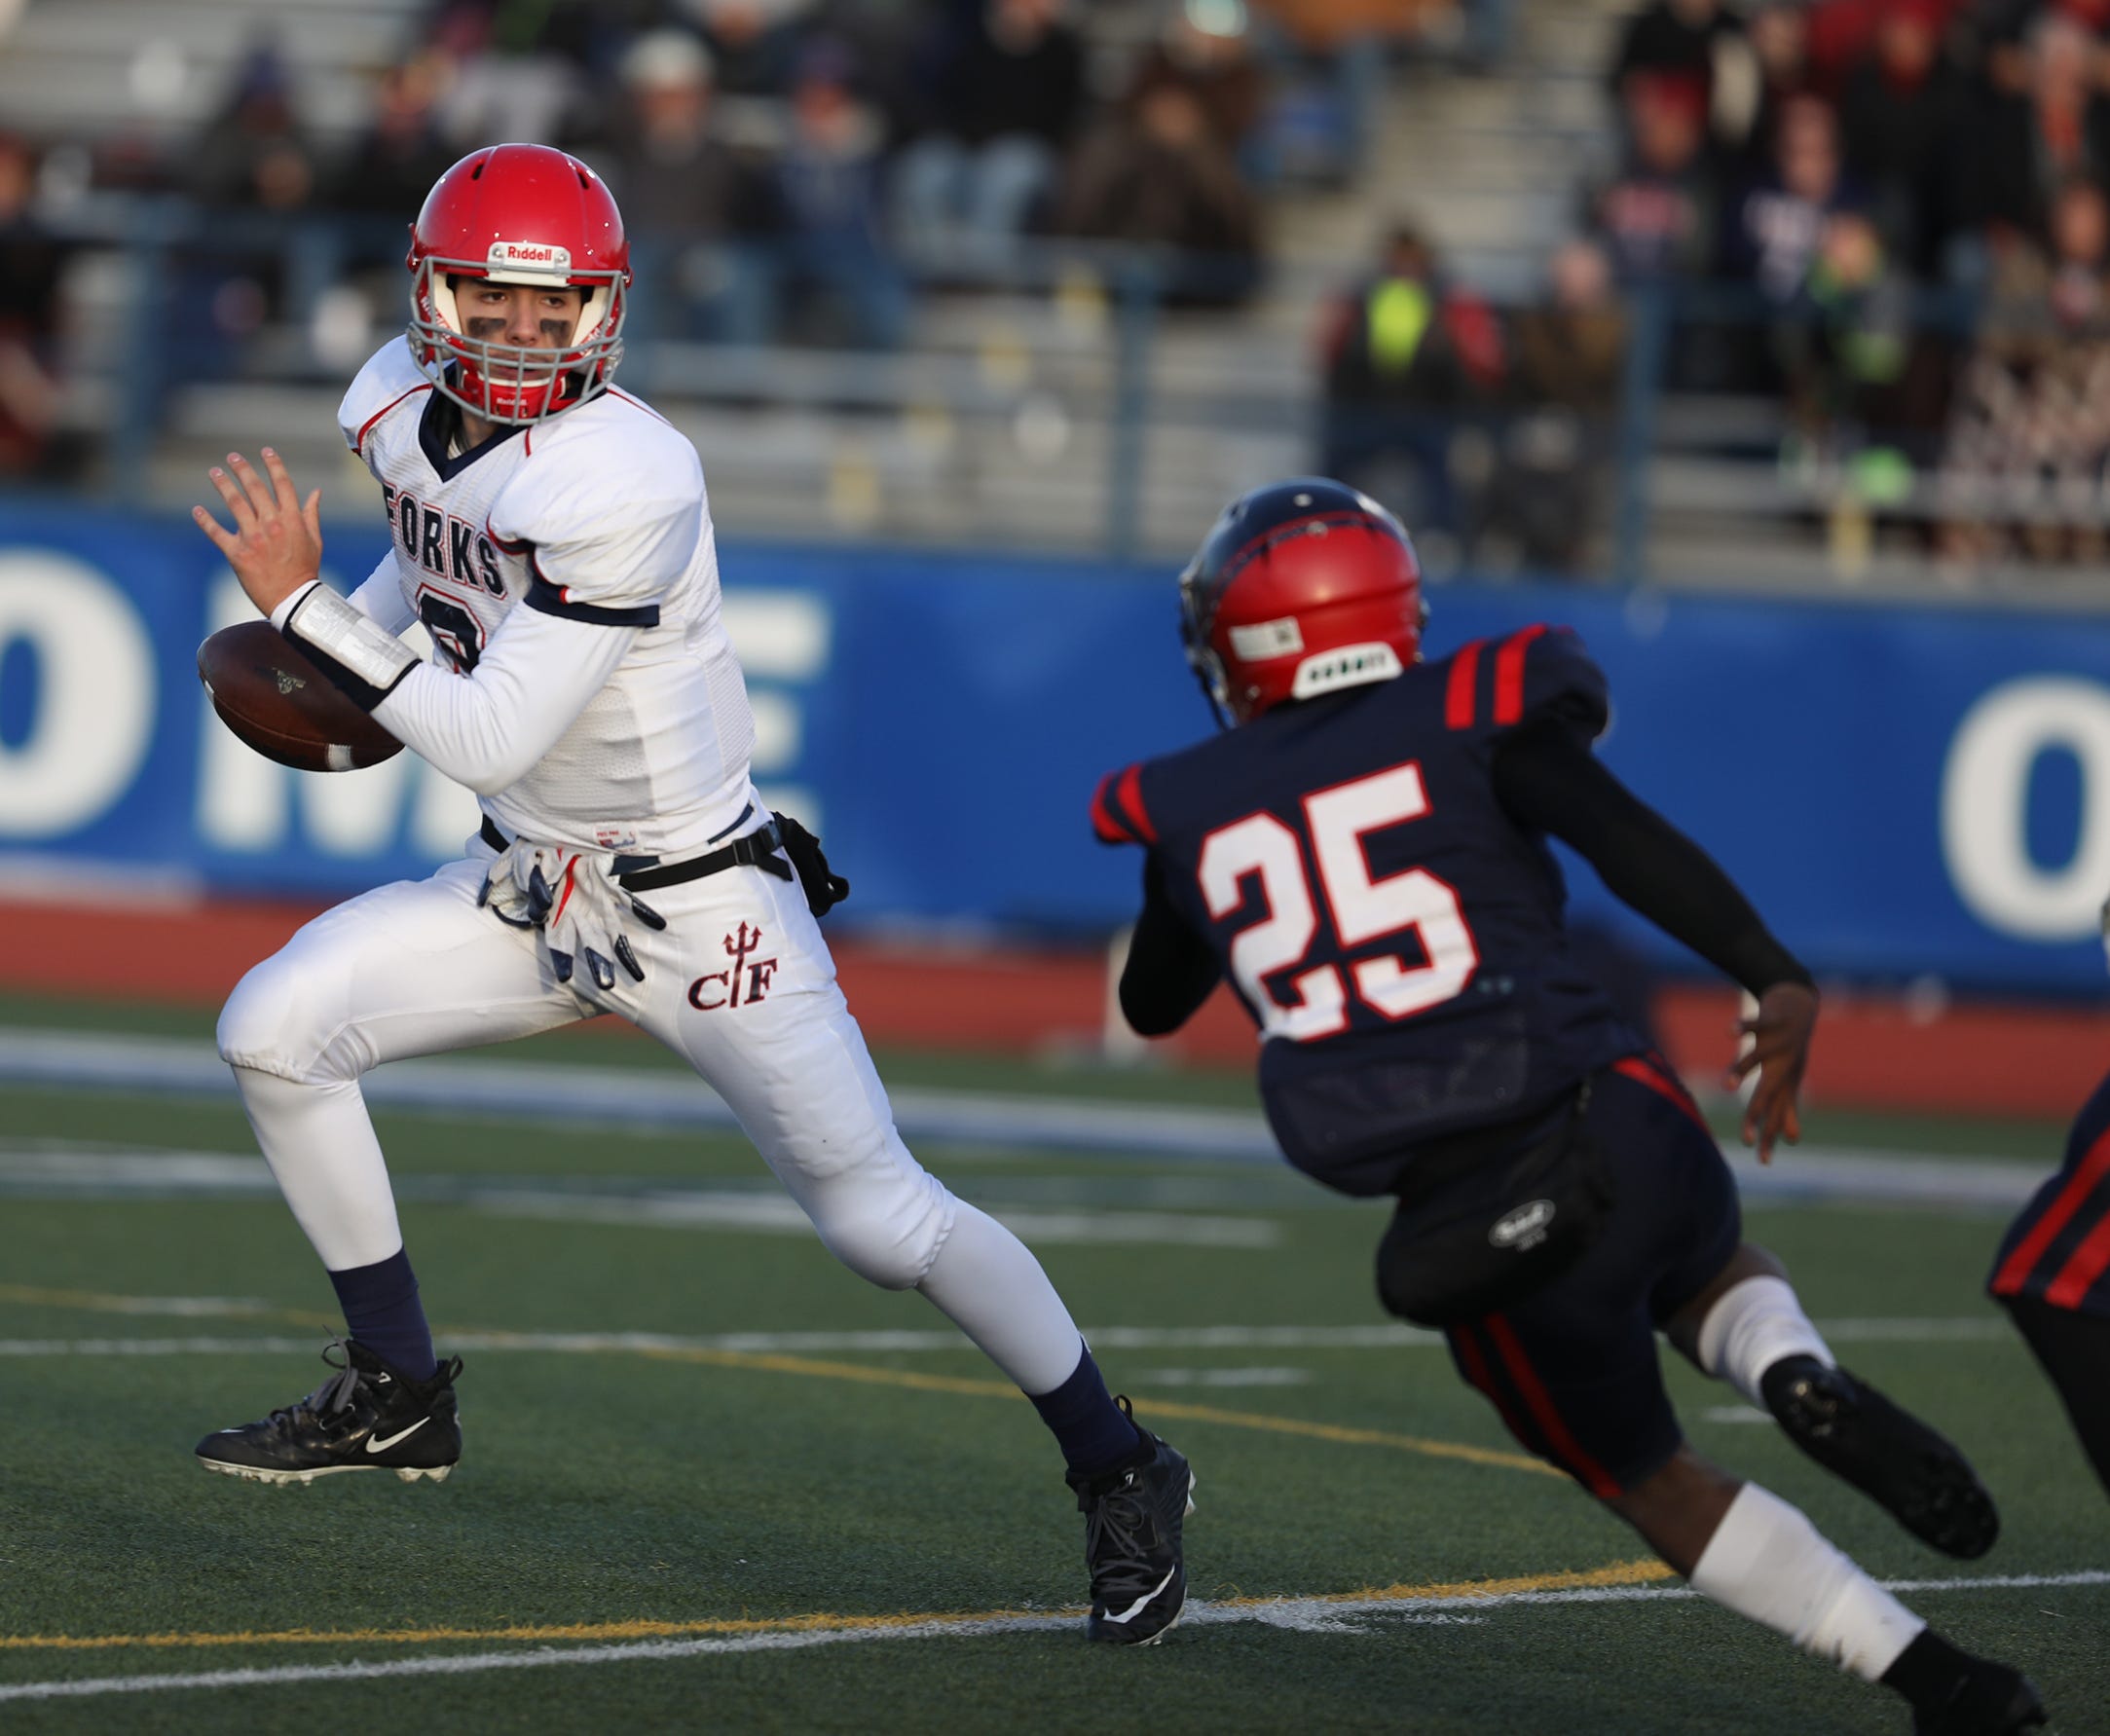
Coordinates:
56 1169
1103 1338
610 1097
1299 1614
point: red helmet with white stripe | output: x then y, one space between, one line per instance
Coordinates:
518 215
1301 588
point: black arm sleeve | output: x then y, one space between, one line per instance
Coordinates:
1171 971
1548 780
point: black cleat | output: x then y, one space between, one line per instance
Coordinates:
1858 1434
1132 1520
1991 1700
366 1417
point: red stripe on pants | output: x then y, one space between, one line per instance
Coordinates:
1566 1451
2078 1274
1649 1071
1479 1374
2015 1270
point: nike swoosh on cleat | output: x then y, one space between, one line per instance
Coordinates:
374 1445
1136 1608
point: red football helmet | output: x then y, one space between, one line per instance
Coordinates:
1301 588
518 215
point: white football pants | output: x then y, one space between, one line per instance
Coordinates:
740 984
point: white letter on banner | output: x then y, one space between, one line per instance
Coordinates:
1984 807
244 801
95 694
780 636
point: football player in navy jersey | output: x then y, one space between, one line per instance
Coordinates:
2053 1276
1362 851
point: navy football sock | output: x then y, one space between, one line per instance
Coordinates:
1088 1425
381 1309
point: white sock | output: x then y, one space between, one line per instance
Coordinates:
319 1143
1751 1327
986 1281
1767 1562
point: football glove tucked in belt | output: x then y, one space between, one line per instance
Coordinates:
1478 1232
572 897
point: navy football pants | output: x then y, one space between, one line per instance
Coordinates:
1574 1369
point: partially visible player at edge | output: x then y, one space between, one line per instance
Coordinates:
552 534
2053 1273
1361 849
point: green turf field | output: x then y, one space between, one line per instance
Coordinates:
750 1513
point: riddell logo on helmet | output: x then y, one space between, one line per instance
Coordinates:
533 256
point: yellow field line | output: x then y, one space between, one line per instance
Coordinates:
1169 1408
908 1380
1629 1572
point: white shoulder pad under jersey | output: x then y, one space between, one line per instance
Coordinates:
597 516
610 507
389 380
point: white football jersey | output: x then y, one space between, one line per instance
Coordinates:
600 513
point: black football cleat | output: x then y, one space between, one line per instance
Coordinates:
1132 1521
1893 1457
1990 1700
366 1417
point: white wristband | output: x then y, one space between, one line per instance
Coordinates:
324 620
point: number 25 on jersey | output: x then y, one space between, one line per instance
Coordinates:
1361 910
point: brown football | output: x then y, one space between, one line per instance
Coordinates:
268 693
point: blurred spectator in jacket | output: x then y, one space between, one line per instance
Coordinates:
404 149
253 156
829 248
31 440
1681 39
1866 385
2058 125
2029 444
688 195
1756 77
254 153
1566 362
1000 90
1843 33
1771 237
1407 356
522 68
1157 173
1326 69
1205 50
755 45
582 32
1656 215
1906 110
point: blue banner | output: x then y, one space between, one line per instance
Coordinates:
1903 793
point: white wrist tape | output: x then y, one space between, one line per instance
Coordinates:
324 621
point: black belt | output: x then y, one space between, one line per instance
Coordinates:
758 849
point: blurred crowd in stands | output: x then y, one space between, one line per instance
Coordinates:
796 166
1885 218
1888 217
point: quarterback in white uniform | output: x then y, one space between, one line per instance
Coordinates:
552 535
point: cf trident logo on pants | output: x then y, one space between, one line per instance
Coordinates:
723 988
